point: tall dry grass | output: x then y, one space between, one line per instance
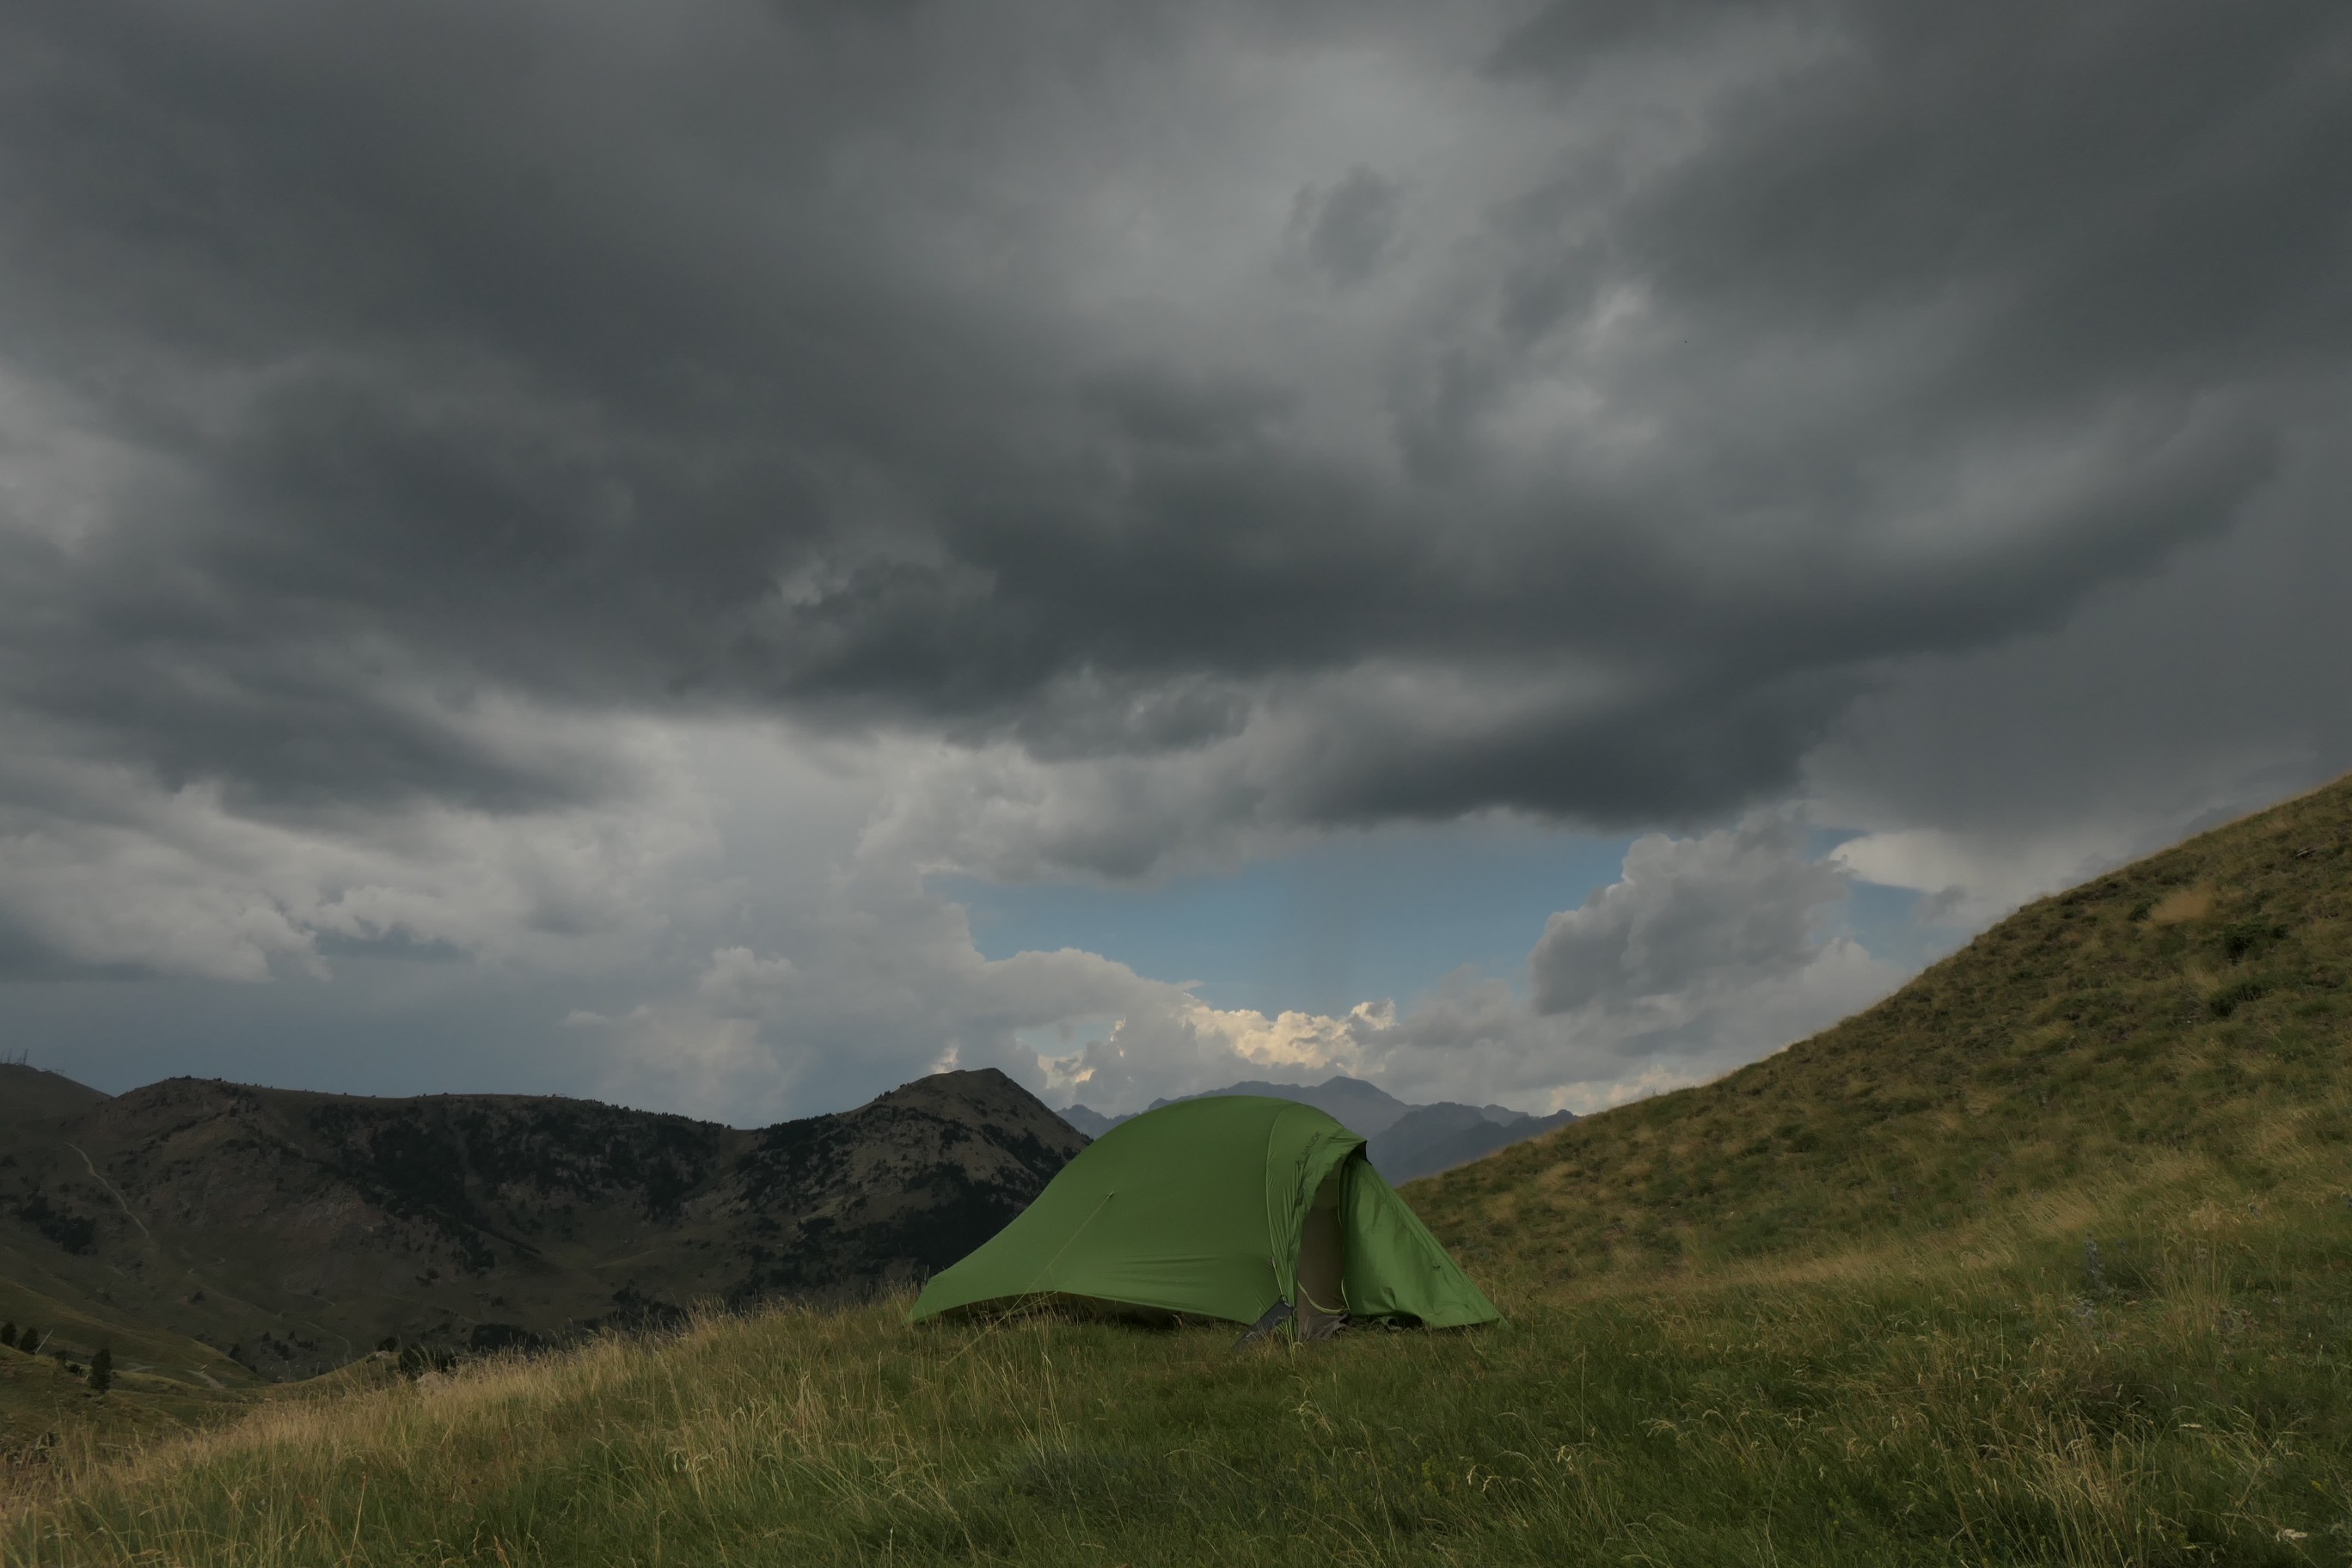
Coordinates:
2181 1398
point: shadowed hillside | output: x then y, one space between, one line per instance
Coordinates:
292 1231
2173 1029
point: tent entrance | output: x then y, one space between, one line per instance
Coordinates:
1322 1266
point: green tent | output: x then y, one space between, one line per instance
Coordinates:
1222 1207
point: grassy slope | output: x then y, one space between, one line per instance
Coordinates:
165 1383
47 1411
1993 1411
2176 1030
1733 1340
79 1328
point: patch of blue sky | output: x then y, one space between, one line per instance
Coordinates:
1352 917
1886 921
1359 917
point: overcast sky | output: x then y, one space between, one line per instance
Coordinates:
728 554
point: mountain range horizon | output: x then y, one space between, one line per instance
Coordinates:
1403 1139
218 1231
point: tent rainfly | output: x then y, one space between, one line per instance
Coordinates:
1231 1206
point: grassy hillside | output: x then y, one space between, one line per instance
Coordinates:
2047 1260
78 1328
48 1413
2004 1409
194 1224
2170 1035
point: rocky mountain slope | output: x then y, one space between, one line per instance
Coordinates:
291 1231
1401 1140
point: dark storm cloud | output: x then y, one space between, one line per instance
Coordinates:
784 359
1346 232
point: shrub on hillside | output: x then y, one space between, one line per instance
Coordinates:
2230 998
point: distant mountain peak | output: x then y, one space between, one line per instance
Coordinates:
1403 1139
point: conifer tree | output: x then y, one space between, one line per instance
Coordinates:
8 1333
101 1370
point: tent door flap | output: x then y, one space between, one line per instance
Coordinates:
1322 1295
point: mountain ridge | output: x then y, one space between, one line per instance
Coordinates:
291 1231
1403 1140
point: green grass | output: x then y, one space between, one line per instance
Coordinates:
48 1413
2177 1026
2185 1400
137 1346
2048 1259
